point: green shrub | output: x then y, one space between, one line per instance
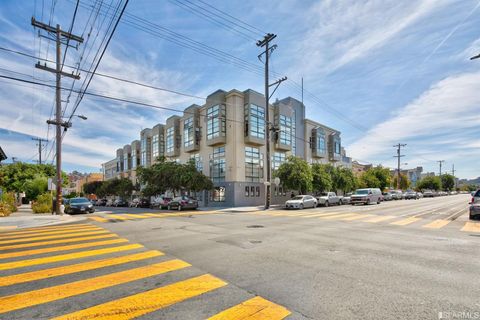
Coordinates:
4 209
7 204
43 204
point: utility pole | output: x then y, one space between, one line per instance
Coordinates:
265 42
398 156
39 141
453 174
60 35
440 163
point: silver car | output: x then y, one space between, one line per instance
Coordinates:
475 205
367 196
300 202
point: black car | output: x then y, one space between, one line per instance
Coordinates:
143 203
183 202
79 205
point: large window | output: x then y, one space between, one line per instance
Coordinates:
256 121
253 164
155 153
217 164
285 130
216 125
337 147
125 162
321 142
277 159
134 158
294 133
170 140
188 133
143 151
198 161
218 194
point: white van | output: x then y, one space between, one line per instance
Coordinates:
367 196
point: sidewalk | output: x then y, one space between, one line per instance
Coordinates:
25 218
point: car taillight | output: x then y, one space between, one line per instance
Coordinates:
473 200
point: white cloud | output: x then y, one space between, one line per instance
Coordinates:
344 31
447 107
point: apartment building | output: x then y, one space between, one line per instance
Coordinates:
226 137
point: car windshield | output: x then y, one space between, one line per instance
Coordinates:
361 191
477 194
324 194
297 198
79 200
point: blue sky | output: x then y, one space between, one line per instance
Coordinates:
391 71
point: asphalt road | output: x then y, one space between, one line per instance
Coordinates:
409 259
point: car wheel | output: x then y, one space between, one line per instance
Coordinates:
368 202
301 206
179 208
169 207
326 203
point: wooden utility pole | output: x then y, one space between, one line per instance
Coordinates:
39 141
265 42
398 156
60 35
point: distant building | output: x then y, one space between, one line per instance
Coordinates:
414 174
427 174
86 179
359 168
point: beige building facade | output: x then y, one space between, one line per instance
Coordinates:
226 137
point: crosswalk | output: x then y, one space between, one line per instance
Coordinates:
392 220
43 269
110 217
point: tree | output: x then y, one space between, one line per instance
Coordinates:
295 174
322 180
448 182
35 187
430 183
376 177
345 180
14 176
404 181
92 187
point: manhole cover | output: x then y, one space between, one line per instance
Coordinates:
255 226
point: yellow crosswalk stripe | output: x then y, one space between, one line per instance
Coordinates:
56 236
8 228
343 215
98 219
471 227
44 243
155 215
20 236
36 297
68 256
406 221
255 308
357 217
380 219
118 217
140 304
85 266
136 216
60 248
437 224
57 228
314 215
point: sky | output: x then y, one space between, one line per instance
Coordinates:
381 72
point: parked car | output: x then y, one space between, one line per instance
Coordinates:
367 196
160 202
120 203
79 205
300 202
134 203
328 198
420 195
411 195
397 194
387 196
183 202
109 203
143 203
346 199
475 205
428 194
101 202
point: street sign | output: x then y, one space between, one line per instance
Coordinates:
276 181
51 185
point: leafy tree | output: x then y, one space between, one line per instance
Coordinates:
14 176
345 180
35 187
376 177
322 180
430 182
295 174
404 182
92 187
448 182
